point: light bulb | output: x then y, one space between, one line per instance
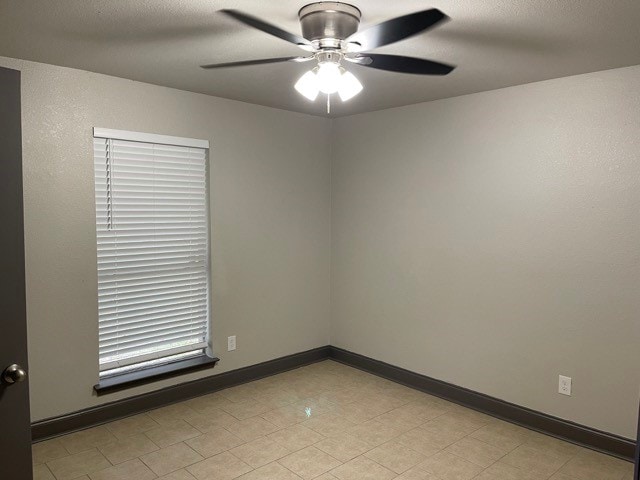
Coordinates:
308 85
349 87
328 76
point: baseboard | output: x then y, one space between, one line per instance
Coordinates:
575 433
579 434
108 412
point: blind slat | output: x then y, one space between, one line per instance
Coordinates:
159 342
189 316
134 340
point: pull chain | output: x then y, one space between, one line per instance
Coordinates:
328 103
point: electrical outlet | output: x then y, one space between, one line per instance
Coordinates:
231 343
564 385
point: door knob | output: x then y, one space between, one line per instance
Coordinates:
14 374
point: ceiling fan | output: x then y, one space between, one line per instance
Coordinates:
330 35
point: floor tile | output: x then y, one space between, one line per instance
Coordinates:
131 470
252 428
296 437
386 401
128 448
239 393
450 467
374 433
451 425
177 432
78 464
328 424
277 397
423 410
361 468
416 474
501 471
247 409
43 452
223 466
171 413
343 447
314 407
343 396
260 452
181 474
208 403
395 456
215 418
309 462
477 452
552 446
595 466
357 412
42 472
216 441
169 459
423 441
87 439
287 416
133 425
272 471
399 418
532 460
561 476
469 417
502 435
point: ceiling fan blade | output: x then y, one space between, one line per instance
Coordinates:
397 63
396 29
261 61
268 28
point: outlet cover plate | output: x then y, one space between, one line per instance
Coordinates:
564 385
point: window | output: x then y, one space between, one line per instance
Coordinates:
153 249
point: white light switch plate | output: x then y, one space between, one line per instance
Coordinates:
231 343
564 385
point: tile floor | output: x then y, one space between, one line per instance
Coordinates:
325 421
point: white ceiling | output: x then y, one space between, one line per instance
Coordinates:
494 43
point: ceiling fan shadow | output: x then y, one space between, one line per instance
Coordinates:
501 38
126 35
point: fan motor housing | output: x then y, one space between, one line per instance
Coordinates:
329 20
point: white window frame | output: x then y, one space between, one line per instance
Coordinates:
150 360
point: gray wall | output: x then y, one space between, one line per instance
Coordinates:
489 240
270 229
493 241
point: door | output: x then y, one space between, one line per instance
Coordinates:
15 430
637 476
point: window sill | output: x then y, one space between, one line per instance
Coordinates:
153 374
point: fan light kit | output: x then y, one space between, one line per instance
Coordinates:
328 77
330 34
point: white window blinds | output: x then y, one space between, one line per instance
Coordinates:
152 234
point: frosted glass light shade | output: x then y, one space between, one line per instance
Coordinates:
329 77
349 87
307 85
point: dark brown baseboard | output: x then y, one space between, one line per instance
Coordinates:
579 434
108 412
575 433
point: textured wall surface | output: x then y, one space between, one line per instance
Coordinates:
270 219
492 241
489 240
